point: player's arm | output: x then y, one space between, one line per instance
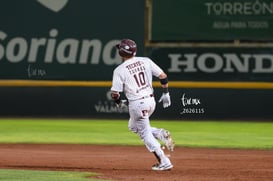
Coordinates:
121 104
158 72
165 98
116 97
164 82
117 87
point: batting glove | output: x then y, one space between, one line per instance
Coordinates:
122 105
165 99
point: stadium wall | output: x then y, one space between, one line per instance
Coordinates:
59 63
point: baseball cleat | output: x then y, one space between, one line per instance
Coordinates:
168 141
162 167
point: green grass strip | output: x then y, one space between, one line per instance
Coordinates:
29 175
213 134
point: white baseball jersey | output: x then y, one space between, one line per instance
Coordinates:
134 77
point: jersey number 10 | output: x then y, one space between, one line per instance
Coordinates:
140 79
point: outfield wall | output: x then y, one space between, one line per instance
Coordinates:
95 102
57 58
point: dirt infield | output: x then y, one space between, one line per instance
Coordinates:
134 162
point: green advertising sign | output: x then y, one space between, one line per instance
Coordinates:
211 20
216 64
66 39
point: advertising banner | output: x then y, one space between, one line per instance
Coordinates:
211 20
66 39
216 64
187 104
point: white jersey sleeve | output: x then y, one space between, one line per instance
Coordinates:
134 77
117 82
156 70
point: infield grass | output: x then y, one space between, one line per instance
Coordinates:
213 134
28 175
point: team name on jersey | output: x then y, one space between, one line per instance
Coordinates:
135 67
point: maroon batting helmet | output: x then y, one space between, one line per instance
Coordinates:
127 48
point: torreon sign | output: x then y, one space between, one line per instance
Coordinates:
216 20
247 8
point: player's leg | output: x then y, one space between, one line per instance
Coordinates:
164 136
132 125
139 112
133 118
153 145
160 133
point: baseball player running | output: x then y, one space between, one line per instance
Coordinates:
134 77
